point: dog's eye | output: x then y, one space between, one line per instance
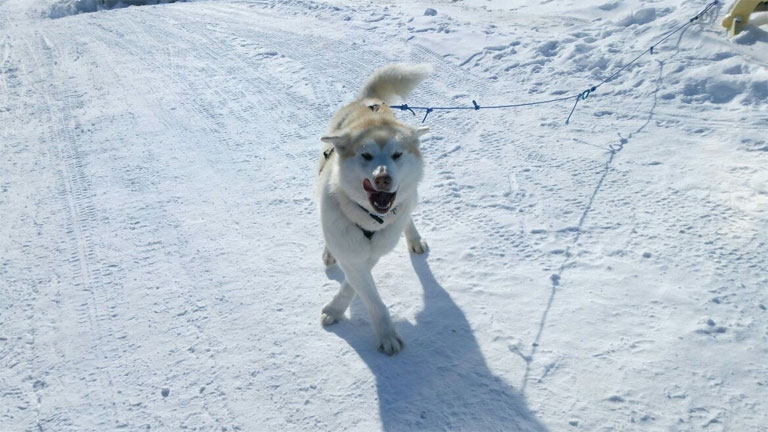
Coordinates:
397 155
367 156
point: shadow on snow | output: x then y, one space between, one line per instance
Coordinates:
441 380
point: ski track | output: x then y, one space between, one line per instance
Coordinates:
157 182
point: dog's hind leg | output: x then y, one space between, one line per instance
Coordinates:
334 310
413 239
328 258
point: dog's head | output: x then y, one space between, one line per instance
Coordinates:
379 163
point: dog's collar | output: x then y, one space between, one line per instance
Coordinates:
378 218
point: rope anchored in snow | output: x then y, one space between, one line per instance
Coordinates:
576 98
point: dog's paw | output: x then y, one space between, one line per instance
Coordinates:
328 259
418 247
331 315
329 318
391 344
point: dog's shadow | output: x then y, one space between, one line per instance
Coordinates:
441 380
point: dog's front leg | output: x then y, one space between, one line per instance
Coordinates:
359 276
413 239
334 310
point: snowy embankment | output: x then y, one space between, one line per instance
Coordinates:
160 249
64 8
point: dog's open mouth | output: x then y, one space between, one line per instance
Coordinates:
380 201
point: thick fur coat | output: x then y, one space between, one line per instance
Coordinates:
369 172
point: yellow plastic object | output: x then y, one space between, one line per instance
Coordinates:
738 17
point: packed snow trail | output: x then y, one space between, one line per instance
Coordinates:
160 248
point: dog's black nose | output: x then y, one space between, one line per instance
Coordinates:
383 182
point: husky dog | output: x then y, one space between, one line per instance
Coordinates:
369 171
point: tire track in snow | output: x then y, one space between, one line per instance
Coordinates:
141 221
150 259
90 266
81 218
21 289
5 69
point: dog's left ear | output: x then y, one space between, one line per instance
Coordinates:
421 131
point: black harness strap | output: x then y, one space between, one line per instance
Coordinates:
377 218
373 216
366 233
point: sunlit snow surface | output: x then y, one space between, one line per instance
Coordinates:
160 250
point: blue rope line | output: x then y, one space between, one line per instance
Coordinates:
577 97
650 50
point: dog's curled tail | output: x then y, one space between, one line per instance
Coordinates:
394 80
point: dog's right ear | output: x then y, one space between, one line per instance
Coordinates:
340 142
421 131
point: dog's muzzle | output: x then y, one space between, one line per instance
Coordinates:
380 201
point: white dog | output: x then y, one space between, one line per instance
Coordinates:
369 171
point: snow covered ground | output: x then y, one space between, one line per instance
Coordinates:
160 251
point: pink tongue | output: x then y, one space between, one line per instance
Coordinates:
368 186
